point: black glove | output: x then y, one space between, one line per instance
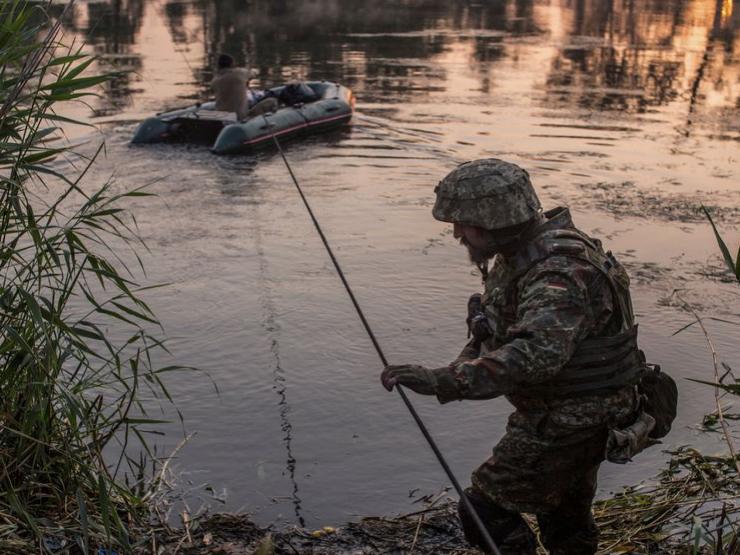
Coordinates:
477 321
417 378
474 308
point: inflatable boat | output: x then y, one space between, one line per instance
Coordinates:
305 108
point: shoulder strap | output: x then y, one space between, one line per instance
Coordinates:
573 243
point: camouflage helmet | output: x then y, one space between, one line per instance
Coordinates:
487 193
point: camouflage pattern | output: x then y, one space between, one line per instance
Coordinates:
508 529
546 462
488 193
570 530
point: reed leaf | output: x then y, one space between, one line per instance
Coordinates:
732 265
71 392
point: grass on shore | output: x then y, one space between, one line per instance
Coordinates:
71 392
692 508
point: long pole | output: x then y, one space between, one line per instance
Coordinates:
490 544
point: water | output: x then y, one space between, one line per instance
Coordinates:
627 111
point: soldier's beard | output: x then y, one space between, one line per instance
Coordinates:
506 241
480 255
494 245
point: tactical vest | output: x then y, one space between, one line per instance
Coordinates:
599 364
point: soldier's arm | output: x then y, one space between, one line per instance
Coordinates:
470 352
554 314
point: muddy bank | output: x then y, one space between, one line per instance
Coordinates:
695 500
432 530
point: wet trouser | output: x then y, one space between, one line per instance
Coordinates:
567 530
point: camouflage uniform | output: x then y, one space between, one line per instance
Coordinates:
547 461
559 341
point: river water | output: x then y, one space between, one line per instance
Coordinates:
624 110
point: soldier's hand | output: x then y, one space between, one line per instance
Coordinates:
480 329
475 307
417 378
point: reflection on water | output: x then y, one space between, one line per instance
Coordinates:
625 110
621 55
280 381
287 428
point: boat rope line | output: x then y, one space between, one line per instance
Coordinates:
280 383
281 388
490 544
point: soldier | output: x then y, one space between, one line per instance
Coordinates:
554 332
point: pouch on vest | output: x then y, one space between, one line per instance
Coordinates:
661 399
623 444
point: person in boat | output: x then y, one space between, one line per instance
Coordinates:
231 88
554 332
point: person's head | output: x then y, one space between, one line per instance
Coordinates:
491 204
225 61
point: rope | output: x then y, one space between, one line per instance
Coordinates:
491 546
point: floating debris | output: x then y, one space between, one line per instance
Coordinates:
627 199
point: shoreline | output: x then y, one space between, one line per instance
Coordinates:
696 495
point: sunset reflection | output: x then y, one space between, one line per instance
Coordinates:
627 111
626 56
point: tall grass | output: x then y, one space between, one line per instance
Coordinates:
70 395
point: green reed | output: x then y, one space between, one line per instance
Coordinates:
71 397
732 265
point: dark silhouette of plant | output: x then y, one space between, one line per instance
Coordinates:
70 393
